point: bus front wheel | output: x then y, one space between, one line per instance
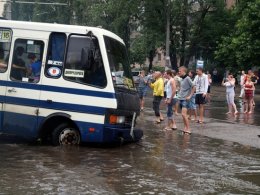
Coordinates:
64 134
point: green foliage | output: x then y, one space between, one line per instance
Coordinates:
137 50
202 28
119 17
241 48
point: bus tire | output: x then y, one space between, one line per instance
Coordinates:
65 134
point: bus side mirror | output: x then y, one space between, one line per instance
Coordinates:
87 58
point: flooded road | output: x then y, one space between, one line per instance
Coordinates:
218 107
162 163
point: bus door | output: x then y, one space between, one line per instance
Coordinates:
5 46
21 106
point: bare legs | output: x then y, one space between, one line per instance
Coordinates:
142 103
231 103
249 105
201 113
193 112
185 120
176 107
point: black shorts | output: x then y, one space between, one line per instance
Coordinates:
209 89
199 99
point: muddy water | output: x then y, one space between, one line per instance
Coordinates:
218 107
163 163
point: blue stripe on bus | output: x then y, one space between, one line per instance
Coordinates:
54 105
25 126
34 86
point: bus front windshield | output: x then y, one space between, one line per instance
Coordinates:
118 62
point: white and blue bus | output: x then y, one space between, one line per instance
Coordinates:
67 84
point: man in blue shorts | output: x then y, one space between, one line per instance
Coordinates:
187 89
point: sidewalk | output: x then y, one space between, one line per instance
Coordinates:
244 134
217 124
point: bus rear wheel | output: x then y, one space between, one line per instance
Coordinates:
64 134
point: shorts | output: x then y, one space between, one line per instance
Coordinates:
192 104
184 104
208 89
142 92
169 108
199 99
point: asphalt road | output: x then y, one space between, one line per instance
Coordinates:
241 128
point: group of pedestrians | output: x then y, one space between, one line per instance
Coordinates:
190 91
247 84
182 89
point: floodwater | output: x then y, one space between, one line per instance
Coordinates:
218 107
162 163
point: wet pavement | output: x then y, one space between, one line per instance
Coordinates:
164 162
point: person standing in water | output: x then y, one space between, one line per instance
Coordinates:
158 93
170 100
229 83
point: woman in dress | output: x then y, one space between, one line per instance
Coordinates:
229 83
249 87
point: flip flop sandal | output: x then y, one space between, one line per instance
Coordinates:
157 122
174 129
187 132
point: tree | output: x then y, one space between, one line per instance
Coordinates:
118 16
241 48
196 26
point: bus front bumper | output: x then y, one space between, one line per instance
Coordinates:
111 134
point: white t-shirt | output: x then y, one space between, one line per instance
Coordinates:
201 83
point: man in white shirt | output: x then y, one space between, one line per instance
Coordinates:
202 83
242 82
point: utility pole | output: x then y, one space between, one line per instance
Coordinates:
167 44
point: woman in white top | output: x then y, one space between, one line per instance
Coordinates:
170 100
229 83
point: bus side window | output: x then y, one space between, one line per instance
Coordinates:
5 46
27 60
55 56
84 62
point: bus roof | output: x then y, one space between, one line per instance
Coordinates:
50 27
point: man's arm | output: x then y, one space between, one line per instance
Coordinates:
173 86
192 90
206 85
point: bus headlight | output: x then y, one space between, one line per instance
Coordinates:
113 119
